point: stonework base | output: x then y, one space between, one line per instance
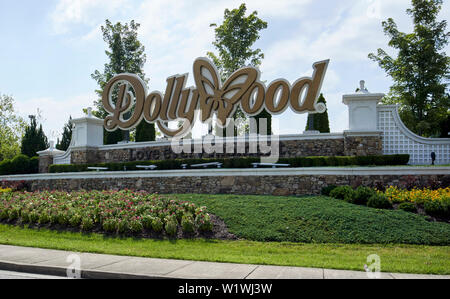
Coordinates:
282 185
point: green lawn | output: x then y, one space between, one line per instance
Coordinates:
305 231
394 258
319 220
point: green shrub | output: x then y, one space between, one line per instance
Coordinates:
187 223
245 162
110 225
362 195
171 226
326 190
408 207
379 201
33 217
75 220
203 222
44 218
87 223
157 224
123 226
20 164
438 208
13 214
343 192
136 226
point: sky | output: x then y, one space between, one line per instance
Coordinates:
50 48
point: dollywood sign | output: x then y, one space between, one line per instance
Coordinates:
132 103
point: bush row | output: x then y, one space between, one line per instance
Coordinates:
435 203
382 160
120 212
20 164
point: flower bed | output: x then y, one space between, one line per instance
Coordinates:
119 212
434 203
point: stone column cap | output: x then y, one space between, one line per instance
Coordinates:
51 151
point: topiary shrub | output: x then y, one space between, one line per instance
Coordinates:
379 201
362 195
343 192
408 207
326 190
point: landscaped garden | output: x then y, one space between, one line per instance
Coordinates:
314 231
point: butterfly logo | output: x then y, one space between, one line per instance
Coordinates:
213 97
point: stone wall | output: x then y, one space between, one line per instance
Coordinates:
239 184
348 145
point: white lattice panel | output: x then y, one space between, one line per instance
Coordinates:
397 139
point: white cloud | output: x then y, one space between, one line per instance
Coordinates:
54 112
74 12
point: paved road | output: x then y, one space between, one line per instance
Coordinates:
19 275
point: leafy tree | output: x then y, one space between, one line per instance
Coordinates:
34 139
125 54
421 69
11 128
234 39
66 136
320 120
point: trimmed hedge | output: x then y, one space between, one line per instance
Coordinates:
242 163
20 164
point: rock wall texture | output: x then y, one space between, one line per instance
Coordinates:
251 185
360 146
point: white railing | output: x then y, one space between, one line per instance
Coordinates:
398 139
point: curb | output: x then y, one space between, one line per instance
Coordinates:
62 272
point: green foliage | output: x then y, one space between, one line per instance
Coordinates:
170 226
438 208
421 69
145 132
408 207
362 195
379 201
187 223
11 128
20 164
126 54
318 220
157 224
87 223
239 163
234 39
320 120
125 212
34 139
63 145
343 192
326 190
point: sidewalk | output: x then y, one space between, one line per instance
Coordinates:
54 262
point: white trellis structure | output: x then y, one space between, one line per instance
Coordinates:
398 139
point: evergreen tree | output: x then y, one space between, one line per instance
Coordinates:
234 39
126 55
34 139
421 69
66 136
145 132
320 120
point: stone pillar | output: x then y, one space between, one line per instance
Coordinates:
46 157
87 136
363 137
